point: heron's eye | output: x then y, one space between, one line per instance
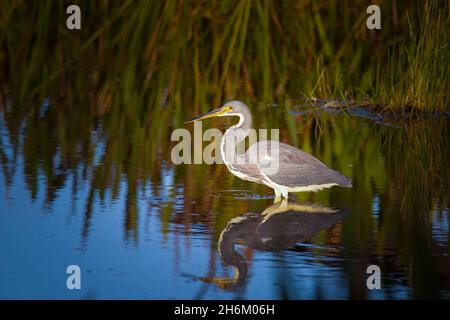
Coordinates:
229 109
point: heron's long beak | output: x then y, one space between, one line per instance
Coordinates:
211 114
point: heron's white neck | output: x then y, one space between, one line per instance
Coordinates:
233 136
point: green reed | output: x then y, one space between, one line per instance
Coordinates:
261 50
417 73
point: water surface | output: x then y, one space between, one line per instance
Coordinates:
101 192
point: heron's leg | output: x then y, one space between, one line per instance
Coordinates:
277 196
285 193
284 205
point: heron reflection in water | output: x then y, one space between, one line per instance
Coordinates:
279 226
295 170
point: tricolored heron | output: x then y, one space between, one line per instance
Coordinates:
296 171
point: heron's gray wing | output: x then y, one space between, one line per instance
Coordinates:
282 151
289 166
291 154
302 175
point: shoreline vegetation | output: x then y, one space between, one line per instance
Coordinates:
176 53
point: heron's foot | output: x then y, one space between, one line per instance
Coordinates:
222 283
277 207
278 198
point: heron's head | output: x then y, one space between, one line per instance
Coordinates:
232 108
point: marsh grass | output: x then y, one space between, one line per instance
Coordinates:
417 73
201 53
